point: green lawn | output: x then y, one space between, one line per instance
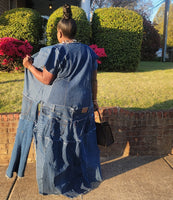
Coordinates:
151 88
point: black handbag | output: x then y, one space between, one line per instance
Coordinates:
104 133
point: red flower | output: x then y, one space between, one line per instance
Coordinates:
99 62
1 53
5 62
13 50
99 51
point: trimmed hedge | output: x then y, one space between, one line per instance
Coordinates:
22 24
83 25
119 31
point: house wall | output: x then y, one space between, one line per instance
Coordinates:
21 3
4 5
42 6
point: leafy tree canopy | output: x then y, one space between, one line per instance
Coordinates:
159 23
141 6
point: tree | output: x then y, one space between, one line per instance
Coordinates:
123 3
143 7
159 23
113 3
151 40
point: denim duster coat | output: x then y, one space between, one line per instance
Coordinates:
67 155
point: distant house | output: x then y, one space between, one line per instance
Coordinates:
44 7
10 4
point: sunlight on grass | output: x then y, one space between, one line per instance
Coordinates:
11 87
151 88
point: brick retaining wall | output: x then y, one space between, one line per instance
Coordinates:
139 133
8 128
135 133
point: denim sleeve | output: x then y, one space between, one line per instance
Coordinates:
46 57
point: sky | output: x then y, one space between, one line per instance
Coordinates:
156 6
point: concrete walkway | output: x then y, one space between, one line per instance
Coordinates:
125 178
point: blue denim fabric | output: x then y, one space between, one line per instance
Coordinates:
23 138
67 155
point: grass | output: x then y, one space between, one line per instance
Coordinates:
150 88
11 87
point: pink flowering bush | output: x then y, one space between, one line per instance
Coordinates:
99 51
12 52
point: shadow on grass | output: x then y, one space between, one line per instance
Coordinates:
12 81
163 106
149 67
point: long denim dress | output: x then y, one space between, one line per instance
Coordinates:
67 155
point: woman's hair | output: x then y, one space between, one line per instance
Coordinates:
67 24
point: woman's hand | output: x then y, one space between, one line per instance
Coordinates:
27 62
43 76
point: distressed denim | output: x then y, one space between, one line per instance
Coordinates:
66 163
23 138
67 155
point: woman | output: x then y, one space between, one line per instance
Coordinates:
65 137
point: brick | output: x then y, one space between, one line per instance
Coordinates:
12 130
4 124
165 114
10 117
10 149
4 157
4 130
115 110
4 162
16 116
3 146
159 114
3 138
4 117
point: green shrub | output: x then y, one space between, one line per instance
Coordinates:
22 24
150 42
83 25
119 31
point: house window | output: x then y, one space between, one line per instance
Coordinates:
12 4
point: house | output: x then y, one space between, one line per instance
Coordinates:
10 4
44 7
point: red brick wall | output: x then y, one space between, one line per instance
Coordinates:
135 133
8 128
138 133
